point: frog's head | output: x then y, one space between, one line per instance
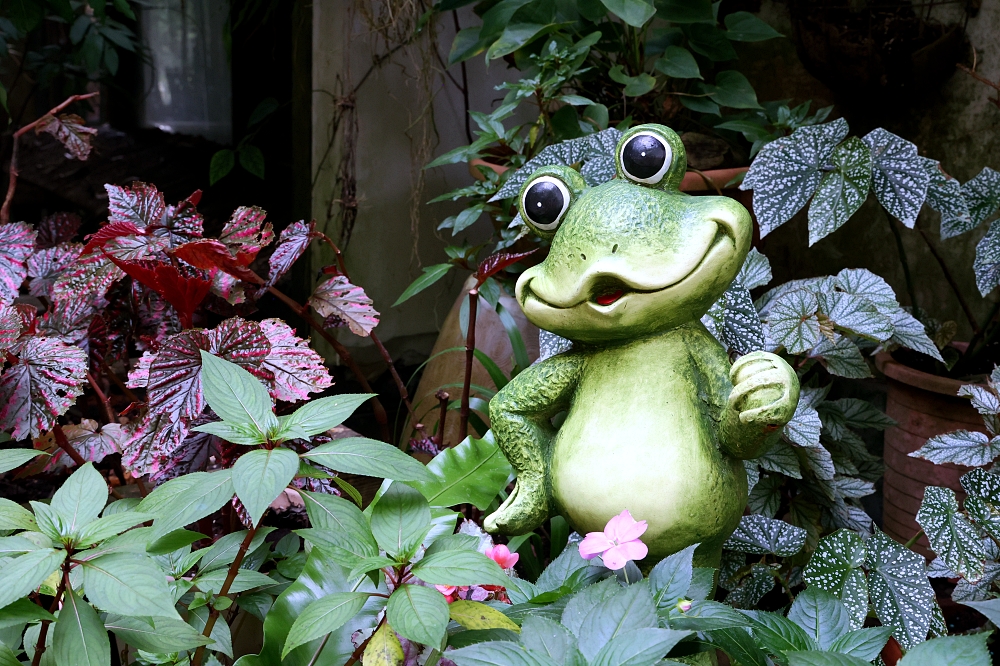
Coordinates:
633 256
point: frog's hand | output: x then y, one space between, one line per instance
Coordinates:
521 419
765 393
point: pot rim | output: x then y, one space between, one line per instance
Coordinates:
904 374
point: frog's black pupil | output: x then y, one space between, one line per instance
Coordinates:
543 202
643 156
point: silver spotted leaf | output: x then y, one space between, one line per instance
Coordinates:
43 383
805 427
841 357
982 483
982 194
836 566
979 590
944 194
842 190
852 517
756 270
986 265
741 326
345 304
961 447
793 322
856 315
985 514
760 535
753 587
899 590
950 533
898 175
862 282
787 172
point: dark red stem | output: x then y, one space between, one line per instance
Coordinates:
470 347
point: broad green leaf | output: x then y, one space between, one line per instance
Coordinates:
638 646
222 163
21 612
474 472
236 395
671 577
155 634
459 567
513 37
781 458
322 617
418 613
222 553
236 433
128 584
221 636
173 541
13 516
187 499
950 651
836 567
635 86
793 322
7 656
677 62
81 498
760 535
961 447
12 458
685 11
246 579
734 91
494 653
629 609
546 637
822 615
22 575
739 645
109 526
318 416
899 590
778 634
252 159
745 27
865 644
367 457
400 519
342 520
815 658
478 616
383 649
842 190
260 476
369 564
79 637
16 545
430 276
898 175
950 533
805 427
633 12
709 41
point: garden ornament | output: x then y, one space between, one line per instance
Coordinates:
657 420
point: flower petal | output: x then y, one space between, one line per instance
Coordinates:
624 527
593 545
634 550
614 558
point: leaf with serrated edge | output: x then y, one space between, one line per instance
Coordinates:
367 457
260 476
962 447
21 575
761 535
950 533
944 194
418 613
322 617
982 194
236 395
823 616
836 567
898 175
842 190
323 414
460 567
128 583
792 320
899 590
298 370
79 636
42 386
347 303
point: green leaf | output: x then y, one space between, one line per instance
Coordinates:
950 651
671 577
983 195
236 395
477 616
368 457
14 545
400 520
899 590
494 653
322 617
685 11
21 612
222 553
12 458
109 526
222 638
21 575
234 433
174 541
81 498
543 636
739 645
635 86
709 41
187 499
865 644
369 564
473 472
260 476
733 90
497 375
264 108
638 646
459 567
514 36
745 27
760 535
823 616
8 657
814 658
383 649
222 163
950 533
836 567
632 608
246 579
778 634
634 12
418 613
318 416
842 190
129 584
13 516
155 634
342 520
430 276
677 62
80 638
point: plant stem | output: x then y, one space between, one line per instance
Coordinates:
443 398
315 657
905 264
132 397
360 650
12 173
913 539
470 348
108 412
951 281
213 615
44 630
64 444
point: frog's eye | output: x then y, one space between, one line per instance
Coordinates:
545 202
645 158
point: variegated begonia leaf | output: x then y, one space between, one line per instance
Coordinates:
950 533
741 326
787 172
899 178
194 454
45 266
839 416
71 131
820 462
756 270
907 331
345 303
899 590
841 357
90 274
961 447
862 282
982 194
793 322
842 190
760 535
183 222
855 314
153 440
805 426
850 487
986 265
139 204
91 440
292 243
944 194
10 327
157 319
297 369
765 496
68 319
246 231
982 483
985 514
17 242
55 229
752 588
41 386
781 458
836 566
978 590
986 402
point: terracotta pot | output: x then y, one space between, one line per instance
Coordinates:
923 405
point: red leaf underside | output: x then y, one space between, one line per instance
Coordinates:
17 242
346 302
71 131
498 261
56 228
109 231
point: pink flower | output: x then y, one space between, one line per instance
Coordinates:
502 556
446 590
618 543
684 605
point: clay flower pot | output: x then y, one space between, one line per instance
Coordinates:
923 405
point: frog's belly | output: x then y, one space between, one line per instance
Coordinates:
654 457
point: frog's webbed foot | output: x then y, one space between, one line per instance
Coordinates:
526 508
765 390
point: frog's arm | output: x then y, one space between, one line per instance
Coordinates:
763 399
520 415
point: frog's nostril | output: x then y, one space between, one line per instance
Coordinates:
583 256
614 249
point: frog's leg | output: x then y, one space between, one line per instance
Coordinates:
765 393
520 415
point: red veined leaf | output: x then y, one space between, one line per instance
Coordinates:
139 204
210 253
183 220
193 454
152 440
41 385
247 231
71 131
10 326
28 314
138 377
17 242
292 243
297 369
496 262
109 231
56 228
68 319
183 289
107 342
93 442
241 342
44 267
174 385
91 274
347 303
157 320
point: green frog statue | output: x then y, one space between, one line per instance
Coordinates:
658 421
